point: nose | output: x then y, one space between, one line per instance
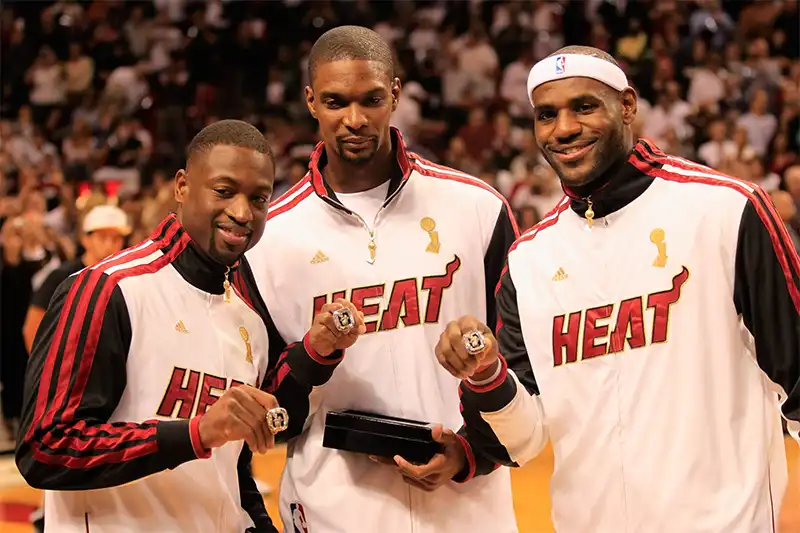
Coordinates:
355 118
567 126
240 210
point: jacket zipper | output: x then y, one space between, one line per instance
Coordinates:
372 246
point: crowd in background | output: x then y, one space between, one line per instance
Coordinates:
100 98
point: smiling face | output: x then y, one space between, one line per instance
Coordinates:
582 126
353 101
223 196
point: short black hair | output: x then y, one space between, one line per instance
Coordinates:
230 133
350 43
586 51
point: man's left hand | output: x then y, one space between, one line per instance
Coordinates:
439 470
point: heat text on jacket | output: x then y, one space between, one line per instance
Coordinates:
403 303
588 333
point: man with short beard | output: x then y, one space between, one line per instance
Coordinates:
411 244
650 328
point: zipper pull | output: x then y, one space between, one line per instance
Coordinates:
227 285
589 213
372 247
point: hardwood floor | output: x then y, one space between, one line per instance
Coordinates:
531 496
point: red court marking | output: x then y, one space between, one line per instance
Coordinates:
15 512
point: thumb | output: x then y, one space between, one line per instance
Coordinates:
437 433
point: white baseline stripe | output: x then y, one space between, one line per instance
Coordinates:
447 171
284 201
698 174
136 262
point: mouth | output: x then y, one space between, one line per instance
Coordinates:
357 142
575 152
233 235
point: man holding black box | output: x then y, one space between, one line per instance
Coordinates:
413 245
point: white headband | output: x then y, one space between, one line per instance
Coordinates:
575 65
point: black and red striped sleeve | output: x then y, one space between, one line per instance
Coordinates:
484 449
74 380
504 234
293 369
767 296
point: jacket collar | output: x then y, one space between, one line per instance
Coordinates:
400 173
192 263
623 183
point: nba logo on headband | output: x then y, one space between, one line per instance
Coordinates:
561 64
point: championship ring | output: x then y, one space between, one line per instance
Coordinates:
474 342
277 420
343 318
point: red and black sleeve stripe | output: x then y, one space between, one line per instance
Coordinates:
766 296
293 370
76 376
485 445
504 234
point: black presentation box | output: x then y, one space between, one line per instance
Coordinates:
380 435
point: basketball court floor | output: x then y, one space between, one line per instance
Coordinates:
531 498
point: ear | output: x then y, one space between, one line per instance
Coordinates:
310 102
395 93
628 105
181 186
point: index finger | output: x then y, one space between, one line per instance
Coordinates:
266 400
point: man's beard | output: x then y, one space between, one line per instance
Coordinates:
360 159
607 151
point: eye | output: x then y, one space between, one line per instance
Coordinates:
261 201
223 192
586 107
375 100
545 115
332 104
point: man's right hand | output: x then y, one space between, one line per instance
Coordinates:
239 414
453 356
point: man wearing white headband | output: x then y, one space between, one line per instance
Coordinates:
648 328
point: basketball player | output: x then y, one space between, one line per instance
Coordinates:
650 328
146 366
413 245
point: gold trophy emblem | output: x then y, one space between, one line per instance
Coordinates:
246 338
657 238
429 226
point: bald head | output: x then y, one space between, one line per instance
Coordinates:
350 43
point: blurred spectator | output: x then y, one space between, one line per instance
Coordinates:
104 230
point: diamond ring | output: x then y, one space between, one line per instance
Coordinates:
474 342
277 420
343 319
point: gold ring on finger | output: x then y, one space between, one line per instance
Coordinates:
343 319
474 342
277 420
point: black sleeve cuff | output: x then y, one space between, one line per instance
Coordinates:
495 395
310 368
175 443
